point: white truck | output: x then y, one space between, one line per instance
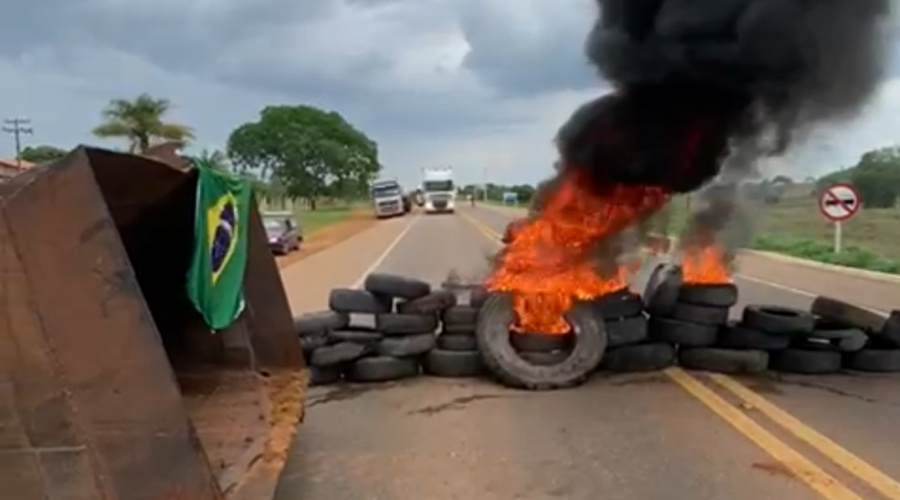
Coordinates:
438 189
387 198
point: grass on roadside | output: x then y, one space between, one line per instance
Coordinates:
794 226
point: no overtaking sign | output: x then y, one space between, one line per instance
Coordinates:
839 202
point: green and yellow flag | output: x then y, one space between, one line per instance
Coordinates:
215 282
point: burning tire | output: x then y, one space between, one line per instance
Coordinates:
663 289
501 358
723 295
621 304
539 342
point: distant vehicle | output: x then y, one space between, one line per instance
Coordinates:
407 203
387 198
438 189
419 197
283 233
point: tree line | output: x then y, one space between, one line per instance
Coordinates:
295 152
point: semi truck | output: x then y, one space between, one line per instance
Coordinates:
387 198
438 189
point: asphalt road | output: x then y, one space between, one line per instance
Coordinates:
655 436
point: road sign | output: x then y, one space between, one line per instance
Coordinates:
839 202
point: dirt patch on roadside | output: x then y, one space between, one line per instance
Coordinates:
328 236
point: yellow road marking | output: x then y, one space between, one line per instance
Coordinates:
803 468
880 481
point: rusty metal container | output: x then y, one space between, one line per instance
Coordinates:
111 386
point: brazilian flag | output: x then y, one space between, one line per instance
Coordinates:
215 282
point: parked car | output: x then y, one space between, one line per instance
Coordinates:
283 232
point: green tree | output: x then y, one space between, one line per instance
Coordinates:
42 154
310 152
140 122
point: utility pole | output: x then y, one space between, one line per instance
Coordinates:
17 127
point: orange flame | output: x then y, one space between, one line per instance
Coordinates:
705 265
549 263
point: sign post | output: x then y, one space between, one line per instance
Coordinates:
839 203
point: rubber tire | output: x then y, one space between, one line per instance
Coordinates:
382 369
739 336
844 338
396 286
779 320
456 364
504 362
392 324
310 343
432 303
463 329
621 304
477 296
627 331
723 295
673 331
460 315
350 301
539 342
360 336
407 346
320 322
848 314
890 332
805 361
733 361
324 375
457 342
647 357
663 288
874 361
545 358
342 352
703 315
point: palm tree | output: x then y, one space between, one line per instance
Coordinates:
216 159
141 122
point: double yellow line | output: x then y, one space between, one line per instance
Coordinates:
802 467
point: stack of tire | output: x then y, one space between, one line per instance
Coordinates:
375 334
456 353
850 337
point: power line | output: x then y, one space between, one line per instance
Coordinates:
18 127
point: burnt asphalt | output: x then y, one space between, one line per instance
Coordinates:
617 437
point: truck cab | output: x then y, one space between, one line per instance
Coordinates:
439 190
387 198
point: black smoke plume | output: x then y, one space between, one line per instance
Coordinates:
694 79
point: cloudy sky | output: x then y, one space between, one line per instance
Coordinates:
478 84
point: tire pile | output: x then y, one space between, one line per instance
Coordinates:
393 328
689 325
